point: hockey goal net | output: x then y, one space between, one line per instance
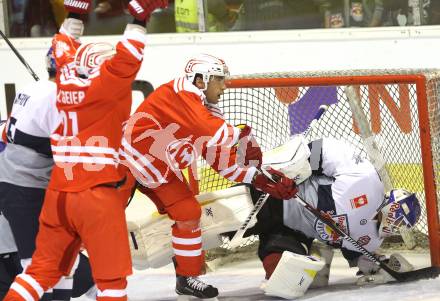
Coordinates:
402 108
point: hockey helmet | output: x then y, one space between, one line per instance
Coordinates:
206 65
400 208
89 57
51 67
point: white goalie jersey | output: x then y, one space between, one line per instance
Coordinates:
344 185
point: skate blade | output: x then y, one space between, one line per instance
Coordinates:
189 298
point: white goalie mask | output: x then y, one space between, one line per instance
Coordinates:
400 208
206 65
89 57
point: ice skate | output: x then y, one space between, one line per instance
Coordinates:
192 288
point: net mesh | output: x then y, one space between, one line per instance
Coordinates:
277 109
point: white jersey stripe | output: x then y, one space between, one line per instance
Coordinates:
142 159
22 291
132 49
228 170
187 253
175 86
136 166
220 134
249 175
236 174
32 282
83 159
186 241
85 149
180 83
235 135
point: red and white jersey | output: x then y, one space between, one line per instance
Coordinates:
93 110
171 128
64 48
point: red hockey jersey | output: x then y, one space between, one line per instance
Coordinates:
171 128
85 146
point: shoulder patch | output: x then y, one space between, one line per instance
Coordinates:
327 234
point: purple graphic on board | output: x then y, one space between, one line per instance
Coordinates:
302 111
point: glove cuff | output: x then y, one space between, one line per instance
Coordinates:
136 28
72 27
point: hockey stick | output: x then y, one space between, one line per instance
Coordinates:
235 240
23 61
424 273
376 158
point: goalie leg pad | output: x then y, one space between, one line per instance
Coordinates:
222 211
325 253
293 275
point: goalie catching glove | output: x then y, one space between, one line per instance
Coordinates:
280 186
142 9
373 274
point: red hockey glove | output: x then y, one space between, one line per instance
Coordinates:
283 188
142 9
78 6
248 148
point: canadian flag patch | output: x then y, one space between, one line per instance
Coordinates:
359 201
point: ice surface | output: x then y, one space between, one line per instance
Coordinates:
242 281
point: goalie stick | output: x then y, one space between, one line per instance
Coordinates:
373 151
22 60
424 273
235 240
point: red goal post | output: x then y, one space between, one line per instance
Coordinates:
402 107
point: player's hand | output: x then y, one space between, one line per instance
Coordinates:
283 188
248 148
78 6
142 9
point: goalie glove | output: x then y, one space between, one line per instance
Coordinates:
396 262
142 9
283 188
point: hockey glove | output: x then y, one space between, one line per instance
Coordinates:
248 148
283 188
142 9
366 266
78 6
396 261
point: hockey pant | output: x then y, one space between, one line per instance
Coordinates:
95 218
274 236
22 207
177 200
